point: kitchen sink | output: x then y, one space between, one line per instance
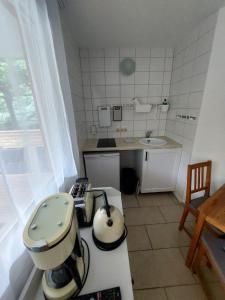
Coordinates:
153 141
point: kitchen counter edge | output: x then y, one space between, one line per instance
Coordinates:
90 145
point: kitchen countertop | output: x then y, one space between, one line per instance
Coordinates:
121 144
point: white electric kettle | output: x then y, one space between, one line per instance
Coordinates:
109 230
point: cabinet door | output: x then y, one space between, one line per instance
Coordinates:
103 170
160 170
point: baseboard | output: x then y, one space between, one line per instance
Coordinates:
178 197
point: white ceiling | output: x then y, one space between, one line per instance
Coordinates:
154 23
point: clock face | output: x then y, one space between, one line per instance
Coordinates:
127 66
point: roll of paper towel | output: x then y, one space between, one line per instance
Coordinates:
141 108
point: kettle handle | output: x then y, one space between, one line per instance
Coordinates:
107 206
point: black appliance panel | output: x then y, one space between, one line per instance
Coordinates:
106 143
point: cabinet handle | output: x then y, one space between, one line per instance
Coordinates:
146 156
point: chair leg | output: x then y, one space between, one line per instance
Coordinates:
200 253
183 218
209 265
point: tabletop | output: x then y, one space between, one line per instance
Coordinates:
214 209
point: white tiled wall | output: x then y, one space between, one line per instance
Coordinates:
73 64
103 84
191 60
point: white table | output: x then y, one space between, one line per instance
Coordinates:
107 269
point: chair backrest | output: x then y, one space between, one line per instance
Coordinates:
198 179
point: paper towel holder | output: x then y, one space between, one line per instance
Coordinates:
104 116
141 108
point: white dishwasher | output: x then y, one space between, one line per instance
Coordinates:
103 169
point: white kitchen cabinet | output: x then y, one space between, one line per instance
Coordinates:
157 169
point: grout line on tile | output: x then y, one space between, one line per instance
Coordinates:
145 226
163 215
167 297
193 284
157 223
154 288
137 198
156 249
174 199
125 207
146 223
166 286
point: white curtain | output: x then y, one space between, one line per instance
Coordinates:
36 157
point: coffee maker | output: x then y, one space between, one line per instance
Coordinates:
52 239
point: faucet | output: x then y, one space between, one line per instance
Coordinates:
148 134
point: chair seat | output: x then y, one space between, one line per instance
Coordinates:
195 203
216 251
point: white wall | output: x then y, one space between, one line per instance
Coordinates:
191 60
103 84
210 136
74 72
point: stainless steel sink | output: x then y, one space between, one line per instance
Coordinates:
153 141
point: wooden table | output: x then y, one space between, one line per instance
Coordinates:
211 211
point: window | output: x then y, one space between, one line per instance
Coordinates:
21 142
36 157
17 107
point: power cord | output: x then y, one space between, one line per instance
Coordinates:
88 262
87 271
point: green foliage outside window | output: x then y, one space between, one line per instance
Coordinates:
17 106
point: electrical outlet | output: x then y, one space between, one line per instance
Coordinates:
123 129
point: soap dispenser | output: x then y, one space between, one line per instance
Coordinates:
164 106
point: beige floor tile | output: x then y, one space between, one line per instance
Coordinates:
184 251
174 213
137 238
129 201
143 215
167 235
155 199
173 197
207 275
188 292
214 291
159 268
152 294
190 226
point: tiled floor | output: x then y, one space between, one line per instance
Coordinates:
157 250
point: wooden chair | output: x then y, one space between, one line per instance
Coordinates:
198 180
213 248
